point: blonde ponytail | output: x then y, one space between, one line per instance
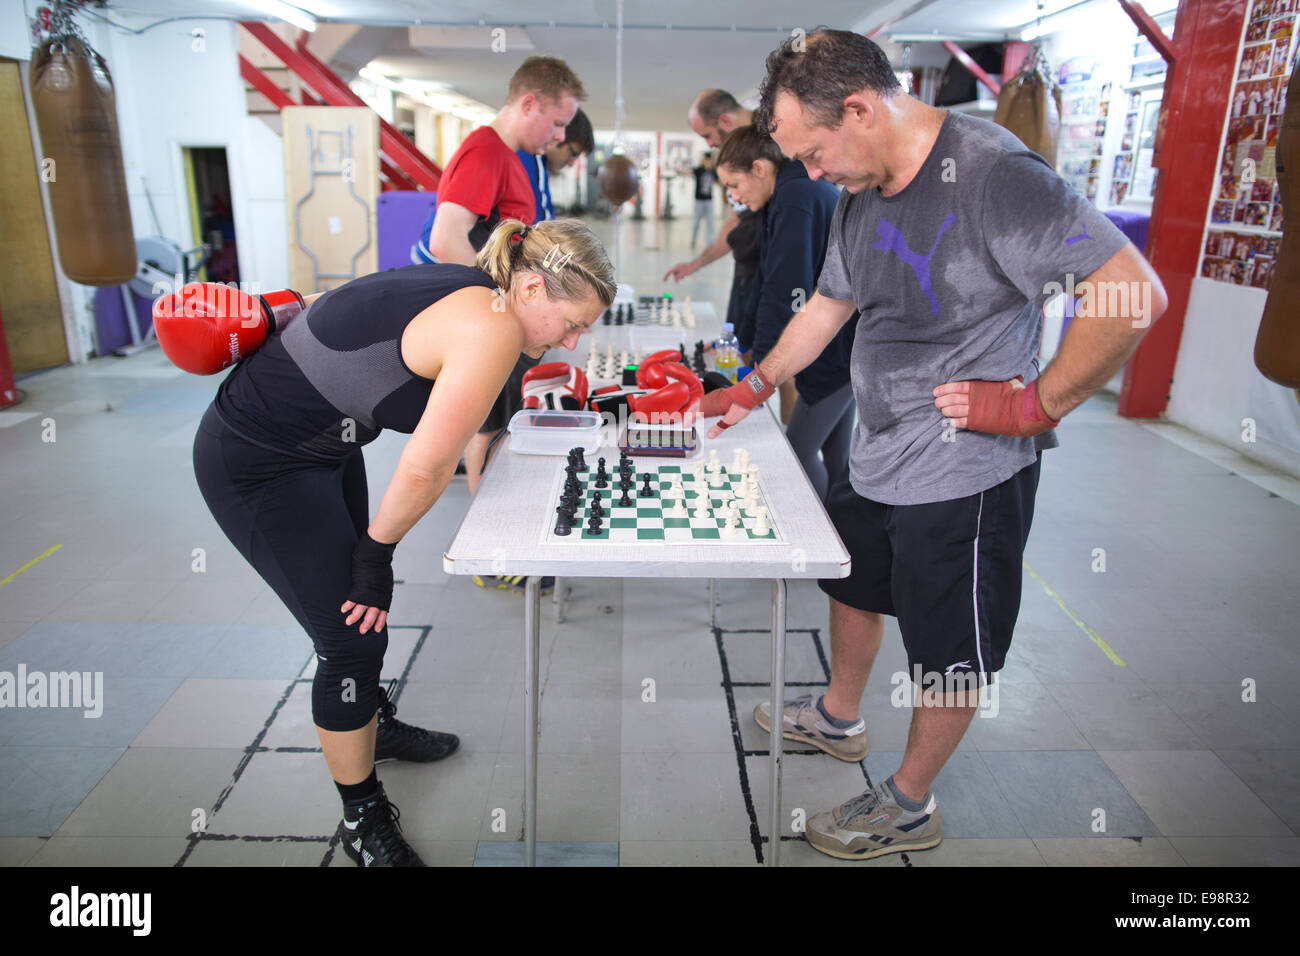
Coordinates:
564 252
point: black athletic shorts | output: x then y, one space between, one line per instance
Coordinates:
950 571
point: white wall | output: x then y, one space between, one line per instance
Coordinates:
1216 384
15 38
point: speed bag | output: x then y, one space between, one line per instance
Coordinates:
1277 346
82 162
1032 111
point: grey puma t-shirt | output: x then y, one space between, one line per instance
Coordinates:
950 275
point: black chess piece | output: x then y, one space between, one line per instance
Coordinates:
602 476
607 318
681 350
596 507
625 501
646 490
593 526
579 460
564 521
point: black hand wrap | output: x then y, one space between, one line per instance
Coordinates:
372 573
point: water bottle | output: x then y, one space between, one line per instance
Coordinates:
727 355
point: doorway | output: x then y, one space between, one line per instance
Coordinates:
207 187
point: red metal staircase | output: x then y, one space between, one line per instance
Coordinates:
402 166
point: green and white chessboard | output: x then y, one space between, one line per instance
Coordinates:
645 521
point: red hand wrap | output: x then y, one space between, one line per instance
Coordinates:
1001 408
753 390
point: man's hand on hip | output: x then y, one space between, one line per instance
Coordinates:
998 408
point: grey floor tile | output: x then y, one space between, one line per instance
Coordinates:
691 718
281 852
153 791
960 851
1219 716
1065 653
809 785
1122 716
79 851
226 714
1192 793
1022 715
573 719
278 794
577 798
475 713
266 610
1273 775
749 656
445 800
200 599
682 796
499 853
1108 851
248 652
43 785
971 804
125 706
28 598
292 726
1238 851
1058 794
16 851
10 631
686 853
112 600
402 641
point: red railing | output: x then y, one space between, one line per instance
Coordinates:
402 165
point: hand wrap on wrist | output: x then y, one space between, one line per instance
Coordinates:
372 573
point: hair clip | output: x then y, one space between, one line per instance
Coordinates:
554 261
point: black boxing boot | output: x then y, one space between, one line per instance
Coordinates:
395 740
371 834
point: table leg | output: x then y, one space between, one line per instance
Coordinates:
557 598
778 720
532 616
713 602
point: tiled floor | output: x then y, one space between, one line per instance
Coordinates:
1146 715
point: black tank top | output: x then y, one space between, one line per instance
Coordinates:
334 378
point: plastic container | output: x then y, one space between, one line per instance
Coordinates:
727 357
553 432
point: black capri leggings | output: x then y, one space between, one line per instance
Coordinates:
296 522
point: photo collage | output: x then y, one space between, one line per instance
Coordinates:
1247 196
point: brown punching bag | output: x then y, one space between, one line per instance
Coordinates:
1277 347
1030 106
82 161
618 179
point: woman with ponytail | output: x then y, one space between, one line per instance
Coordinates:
423 350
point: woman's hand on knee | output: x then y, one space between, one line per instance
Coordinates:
370 617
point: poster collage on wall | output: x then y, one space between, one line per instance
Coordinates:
1246 214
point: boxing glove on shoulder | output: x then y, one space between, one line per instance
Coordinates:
206 326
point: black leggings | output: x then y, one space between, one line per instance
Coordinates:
296 522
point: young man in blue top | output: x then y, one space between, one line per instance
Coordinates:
795 218
948 238
540 167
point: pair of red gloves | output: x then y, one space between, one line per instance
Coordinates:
999 408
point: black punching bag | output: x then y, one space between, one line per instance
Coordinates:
81 161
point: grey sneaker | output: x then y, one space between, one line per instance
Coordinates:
873 824
804 722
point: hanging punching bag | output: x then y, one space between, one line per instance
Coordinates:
1030 106
1277 347
82 161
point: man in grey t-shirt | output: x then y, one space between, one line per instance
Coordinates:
949 237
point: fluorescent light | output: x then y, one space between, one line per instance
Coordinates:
286 12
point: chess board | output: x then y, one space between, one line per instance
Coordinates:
645 521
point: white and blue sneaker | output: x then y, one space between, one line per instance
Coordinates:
873 824
803 721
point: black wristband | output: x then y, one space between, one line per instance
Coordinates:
372 573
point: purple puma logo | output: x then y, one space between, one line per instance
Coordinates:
891 240
1080 237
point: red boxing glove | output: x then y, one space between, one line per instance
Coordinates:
1004 408
206 326
555 385
750 392
668 399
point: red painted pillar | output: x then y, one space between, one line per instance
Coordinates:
8 392
1195 108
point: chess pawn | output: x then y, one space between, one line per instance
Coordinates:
638 356
761 527
702 509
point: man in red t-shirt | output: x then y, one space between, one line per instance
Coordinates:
484 183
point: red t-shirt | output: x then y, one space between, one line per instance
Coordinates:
485 176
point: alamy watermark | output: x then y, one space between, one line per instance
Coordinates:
72 689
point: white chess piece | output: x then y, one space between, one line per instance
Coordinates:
728 530
638 355
678 510
702 509
761 527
